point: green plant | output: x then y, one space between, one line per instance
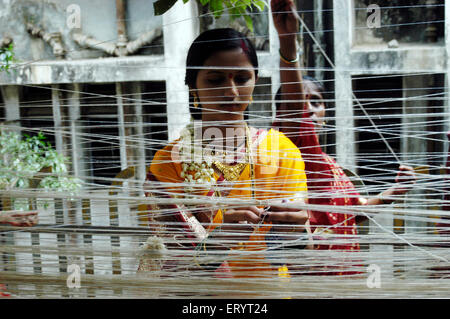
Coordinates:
6 57
21 159
236 8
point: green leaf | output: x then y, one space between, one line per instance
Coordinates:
6 57
234 13
248 22
23 158
259 4
162 6
216 6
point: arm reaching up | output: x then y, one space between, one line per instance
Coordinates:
286 23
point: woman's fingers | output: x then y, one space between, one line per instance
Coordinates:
406 178
250 214
245 219
33 219
20 219
238 224
283 15
406 174
288 217
254 215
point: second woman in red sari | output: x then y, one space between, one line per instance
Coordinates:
300 113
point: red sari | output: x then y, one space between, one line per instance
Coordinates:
327 185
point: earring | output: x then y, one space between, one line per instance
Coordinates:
195 101
251 99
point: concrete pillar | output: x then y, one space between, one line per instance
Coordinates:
274 46
121 124
180 30
414 141
129 104
78 165
319 59
78 148
10 95
343 17
58 114
415 146
138 136
447 86
345 137
64 210
78 152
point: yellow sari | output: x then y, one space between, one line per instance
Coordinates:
278 173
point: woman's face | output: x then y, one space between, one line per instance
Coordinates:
315 103
224 94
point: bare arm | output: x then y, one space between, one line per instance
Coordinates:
18 218
286 25
404 181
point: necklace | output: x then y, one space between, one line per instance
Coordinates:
230 172
197 175
237 169
233 172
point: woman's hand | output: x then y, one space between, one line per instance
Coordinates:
406 178
250 215
287 216
18 218
284 18
286 24
289 222
245 220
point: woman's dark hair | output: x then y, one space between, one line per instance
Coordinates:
316 82
208 43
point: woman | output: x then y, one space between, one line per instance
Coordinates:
327 182
221 73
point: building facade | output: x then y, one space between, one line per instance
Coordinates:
104 80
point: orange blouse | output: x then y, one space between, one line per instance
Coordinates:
279 173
